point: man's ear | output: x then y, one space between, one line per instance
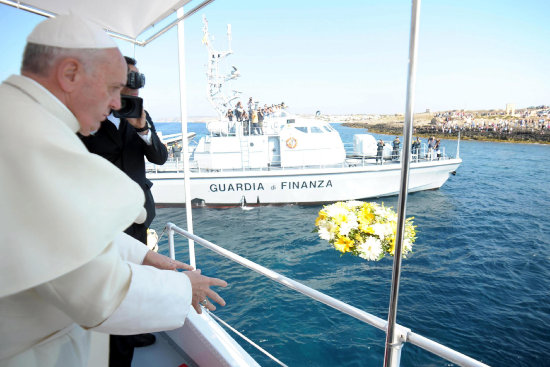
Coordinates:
69 74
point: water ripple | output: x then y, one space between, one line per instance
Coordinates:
478 280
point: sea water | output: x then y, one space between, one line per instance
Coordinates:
478 280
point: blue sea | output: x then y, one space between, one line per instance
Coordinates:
478 280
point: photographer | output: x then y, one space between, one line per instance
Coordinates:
126 138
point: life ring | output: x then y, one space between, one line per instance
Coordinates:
291 143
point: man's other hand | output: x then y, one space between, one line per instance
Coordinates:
201 290
164 262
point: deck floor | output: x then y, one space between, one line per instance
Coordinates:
164 353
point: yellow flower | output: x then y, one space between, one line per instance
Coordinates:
322 216
392 245
365 216
343 244
340 218
363 227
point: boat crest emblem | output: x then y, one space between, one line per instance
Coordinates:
291 142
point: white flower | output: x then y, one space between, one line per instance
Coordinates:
346 227
325 234
349 223
335 210
407 246
371 249
382 230
386 213
354 203
327 230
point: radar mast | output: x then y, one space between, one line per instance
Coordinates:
215 88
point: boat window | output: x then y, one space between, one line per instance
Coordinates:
290 121
316 130
301 128
328 128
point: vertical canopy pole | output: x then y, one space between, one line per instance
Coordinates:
185 146
394 341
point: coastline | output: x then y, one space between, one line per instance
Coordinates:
478 126
523 137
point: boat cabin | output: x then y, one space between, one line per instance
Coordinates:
282 141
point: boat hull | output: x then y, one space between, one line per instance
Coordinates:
298 186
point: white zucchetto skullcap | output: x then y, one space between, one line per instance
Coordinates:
70 31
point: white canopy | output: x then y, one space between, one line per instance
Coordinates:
128 18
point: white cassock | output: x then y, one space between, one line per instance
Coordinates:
66 267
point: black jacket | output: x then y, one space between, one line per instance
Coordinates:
126 150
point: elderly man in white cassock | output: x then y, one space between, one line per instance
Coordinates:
67 268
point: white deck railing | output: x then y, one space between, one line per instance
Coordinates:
176 165
405 334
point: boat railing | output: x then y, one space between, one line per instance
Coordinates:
405 335
247 127
175 165
423 154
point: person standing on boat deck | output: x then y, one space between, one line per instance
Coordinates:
379 151
431 145
171 152
254 120
395 152
416 146
437 148
246 123
239 111
126 142
261 120
71 270
177 152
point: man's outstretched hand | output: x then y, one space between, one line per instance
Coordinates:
200 284
202 294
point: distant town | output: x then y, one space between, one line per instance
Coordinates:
530 124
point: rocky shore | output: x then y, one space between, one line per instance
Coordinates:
425 125
426 132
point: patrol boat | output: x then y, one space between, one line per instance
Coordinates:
288 160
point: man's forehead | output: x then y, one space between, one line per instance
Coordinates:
115 68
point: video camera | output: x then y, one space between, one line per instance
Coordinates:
131 107
135 80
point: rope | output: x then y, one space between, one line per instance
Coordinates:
162 234
245 338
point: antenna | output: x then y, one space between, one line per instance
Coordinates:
216 81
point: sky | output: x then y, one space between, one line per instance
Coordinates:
343 57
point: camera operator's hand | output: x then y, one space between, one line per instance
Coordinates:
139 123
